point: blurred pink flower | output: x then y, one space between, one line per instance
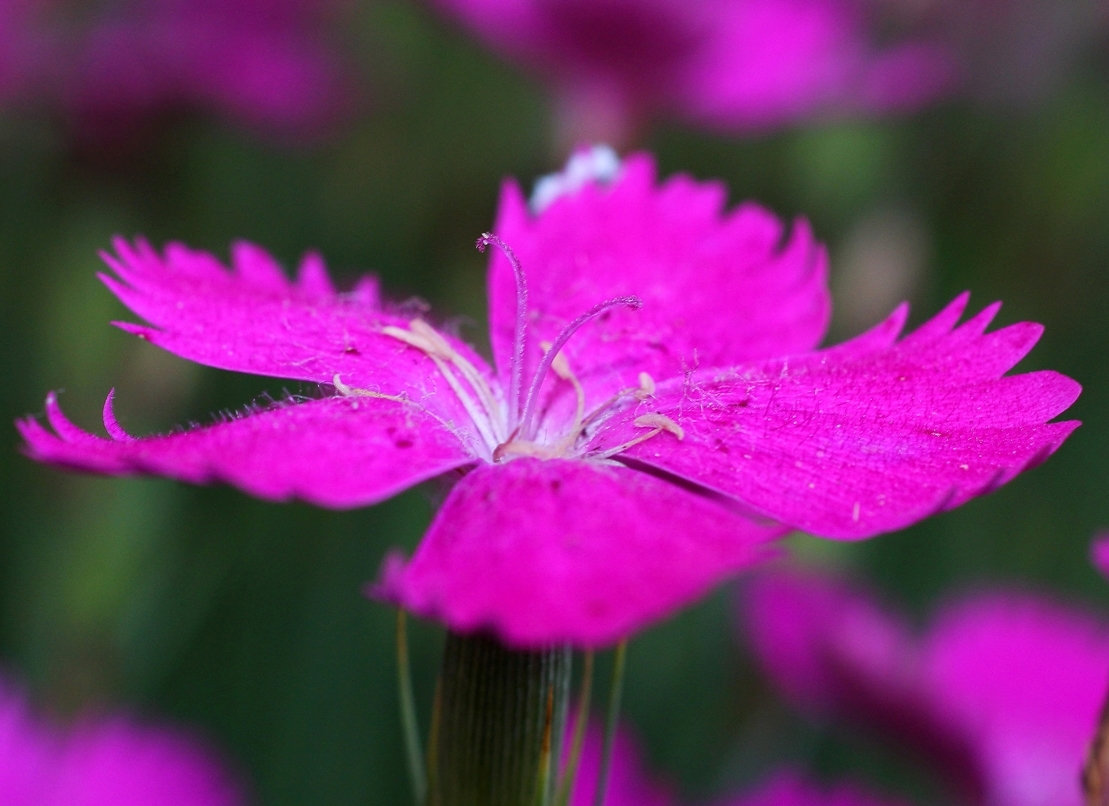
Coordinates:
1002 692
106 761
267 65
732 64
591 499
788 788
631 784
23 50
1099 553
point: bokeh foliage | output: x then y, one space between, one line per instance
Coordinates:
245 618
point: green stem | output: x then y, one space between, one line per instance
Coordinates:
612 720
408 714
501 714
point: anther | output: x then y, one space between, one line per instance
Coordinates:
353 391
656 422
661 422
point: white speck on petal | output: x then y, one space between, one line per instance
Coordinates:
597 164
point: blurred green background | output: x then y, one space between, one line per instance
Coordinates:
245 619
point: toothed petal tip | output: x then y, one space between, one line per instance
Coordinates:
111 425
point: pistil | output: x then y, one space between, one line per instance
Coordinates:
526 429
520 334
507 432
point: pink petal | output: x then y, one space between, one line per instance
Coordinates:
734 64
820 640
770 62
790 789
629 782
100 762
335 452
252 319
515 27
861 439
833 651
118 763
630 49
27 755
1099 553
1002 694
268 65
717 287
547 552
1026 679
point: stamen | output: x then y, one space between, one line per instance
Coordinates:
524 447
419 341
656 422
520 336
469 372
354 391
345 390
661 422
438 350
533 394
561 367
645 390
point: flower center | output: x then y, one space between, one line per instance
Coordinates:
507 427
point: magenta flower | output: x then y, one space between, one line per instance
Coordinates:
787 788
732 64
1099 553
1002 692
630 783
268 65
22 51
654 413
103 762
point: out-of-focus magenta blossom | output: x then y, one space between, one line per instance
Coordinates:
269 65
1002 691
788 788
1099 553
23 50
654 414
731 64
629 781
103 762
631 784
